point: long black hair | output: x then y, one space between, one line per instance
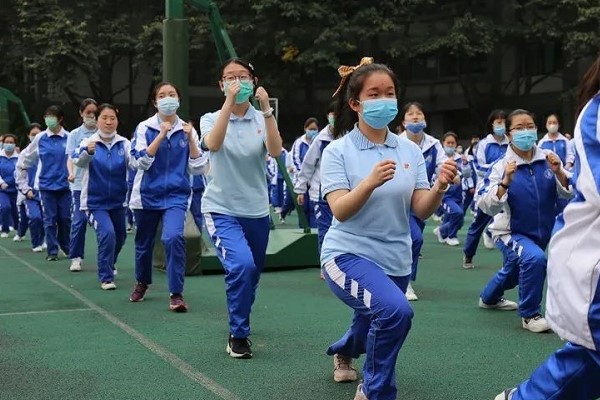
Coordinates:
589 86
345 117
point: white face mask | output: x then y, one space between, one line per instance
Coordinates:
552 128
89 122
107 135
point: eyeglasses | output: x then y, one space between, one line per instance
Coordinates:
523 127
233 78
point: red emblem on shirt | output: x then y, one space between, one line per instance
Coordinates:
259 131
406 165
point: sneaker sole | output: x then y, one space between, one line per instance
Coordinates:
75 269
342 380
136 301
492 307
536 331
236 355
179 308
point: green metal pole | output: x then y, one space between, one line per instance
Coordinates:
176 52
4 120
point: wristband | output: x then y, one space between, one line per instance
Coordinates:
503 185
268 113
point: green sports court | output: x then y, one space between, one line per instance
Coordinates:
62 337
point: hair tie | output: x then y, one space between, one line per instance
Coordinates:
345 71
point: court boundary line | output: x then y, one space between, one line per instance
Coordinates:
10 314
171 358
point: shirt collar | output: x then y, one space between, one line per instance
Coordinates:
538 155
249 116
60 133
361 141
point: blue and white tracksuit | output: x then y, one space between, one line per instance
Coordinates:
161 192
488 151
523 221
299 150
366 258
236 210
573 298
280 195
9 214
434 155
309 179
23 219
79 219
104 195
469 184
452 203
130 178
33 206
198 186
559 146
48 152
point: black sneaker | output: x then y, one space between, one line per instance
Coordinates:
239 348
52 257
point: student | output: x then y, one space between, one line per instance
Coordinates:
280 197
9 213
414 124
87 112
310 177
299 150
103 159
573 299
198 187
371 179
454 215
25 180
520 192
165 153
236 203
489 149
51 180
559 145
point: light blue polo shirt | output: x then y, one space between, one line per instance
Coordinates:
236 184
380 231
75 138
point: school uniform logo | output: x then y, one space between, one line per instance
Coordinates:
428 159
121 152
406 165
183 143
549 174
259 131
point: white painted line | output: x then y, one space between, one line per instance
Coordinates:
44 312
183 367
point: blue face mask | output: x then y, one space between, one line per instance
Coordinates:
378 113
524 140
415 127
246 90
9 147
311 133
449 150
167 105
499 130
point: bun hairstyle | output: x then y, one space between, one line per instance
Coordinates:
353 79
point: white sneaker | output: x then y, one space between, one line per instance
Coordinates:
488 242
44 246
38 249
3 235
436 218
536 324
502 305
452 241
343 371
115 272
18 238
75 265
468 263
10 228
108 286
439 235
506 395
410 293
359 394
